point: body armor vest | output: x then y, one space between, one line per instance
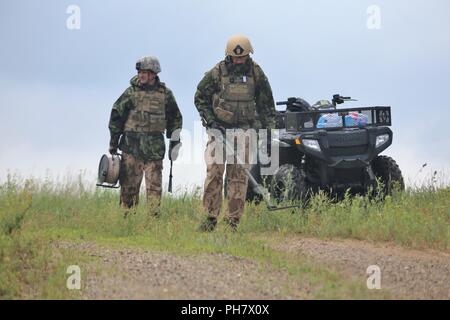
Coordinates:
149 113
235 103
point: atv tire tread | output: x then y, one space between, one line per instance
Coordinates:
386 169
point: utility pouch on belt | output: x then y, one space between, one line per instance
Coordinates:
221 110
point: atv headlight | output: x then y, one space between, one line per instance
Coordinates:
312 144
382 139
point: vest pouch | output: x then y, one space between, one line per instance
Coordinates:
148 114
157 123
222 110
247 111
239 91
153 106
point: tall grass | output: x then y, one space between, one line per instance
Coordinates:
417 219
21 254
28 266
33 213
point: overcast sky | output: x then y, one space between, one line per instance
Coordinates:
57 85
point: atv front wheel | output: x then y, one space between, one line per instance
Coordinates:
289 184
386 169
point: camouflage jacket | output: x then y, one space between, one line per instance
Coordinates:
147 147
210 84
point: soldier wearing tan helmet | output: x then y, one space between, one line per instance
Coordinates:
138 121
234 94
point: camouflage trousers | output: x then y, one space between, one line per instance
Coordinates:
131 172
237 181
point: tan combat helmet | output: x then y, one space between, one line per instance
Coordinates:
148 63
238 46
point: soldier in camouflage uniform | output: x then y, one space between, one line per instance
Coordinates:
235 94
138 120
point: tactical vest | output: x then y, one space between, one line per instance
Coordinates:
149 113
235 103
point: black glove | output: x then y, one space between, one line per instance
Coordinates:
112 149
114 143
174 148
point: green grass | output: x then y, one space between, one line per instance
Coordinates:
415 219
28 266
34 214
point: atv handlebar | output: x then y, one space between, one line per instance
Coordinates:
337 99
288 101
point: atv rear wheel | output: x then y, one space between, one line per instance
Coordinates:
289 184
386 169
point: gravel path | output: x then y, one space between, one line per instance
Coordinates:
407 274
131 273
140 274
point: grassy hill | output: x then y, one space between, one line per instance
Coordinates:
34 215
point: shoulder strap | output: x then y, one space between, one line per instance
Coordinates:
223 71
162 87
254 72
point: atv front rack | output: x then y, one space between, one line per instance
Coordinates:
306 121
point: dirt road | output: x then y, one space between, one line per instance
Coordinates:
407 274
128 273
140 274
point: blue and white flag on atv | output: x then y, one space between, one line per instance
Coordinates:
329 120
354 119
334 120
